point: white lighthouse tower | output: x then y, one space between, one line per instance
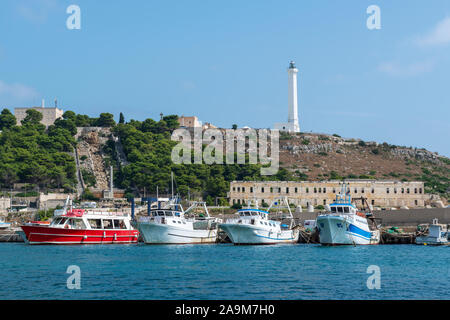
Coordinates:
292 124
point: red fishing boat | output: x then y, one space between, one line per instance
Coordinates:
78 226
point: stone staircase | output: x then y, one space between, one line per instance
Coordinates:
90 157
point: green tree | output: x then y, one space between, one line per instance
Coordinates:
234 126
33 117
105 120
69 115
7 119
172 122
121 118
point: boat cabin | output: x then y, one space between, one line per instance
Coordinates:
166 213
80 220
342 208
252 213
255 217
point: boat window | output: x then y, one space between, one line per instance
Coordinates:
247 213
95 223
70 224
339 209
107 224
62 221
346 210
119 224
261 222
56 221
333 209
76 223
169 213
179 222
184 222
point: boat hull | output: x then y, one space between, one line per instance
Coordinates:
157 233
243 234
49 235
432 241
338 230
4 225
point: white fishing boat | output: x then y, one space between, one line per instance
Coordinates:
438 234
170 224
345 225
253 226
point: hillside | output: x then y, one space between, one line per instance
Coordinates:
320 157
140 152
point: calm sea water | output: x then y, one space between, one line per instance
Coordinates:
224 272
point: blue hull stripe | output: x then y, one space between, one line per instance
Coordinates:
357 235
358 231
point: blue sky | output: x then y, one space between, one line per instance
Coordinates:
226 61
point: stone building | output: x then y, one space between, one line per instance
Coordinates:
49 115
385 194
5 204
189 122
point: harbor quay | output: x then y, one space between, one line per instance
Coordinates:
401 217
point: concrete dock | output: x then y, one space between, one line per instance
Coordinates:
10 236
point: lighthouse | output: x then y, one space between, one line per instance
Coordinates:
292 124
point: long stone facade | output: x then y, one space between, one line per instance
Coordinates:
384 194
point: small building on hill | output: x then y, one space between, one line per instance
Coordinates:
49 115
189 122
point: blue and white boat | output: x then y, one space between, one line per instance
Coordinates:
345 225
253 226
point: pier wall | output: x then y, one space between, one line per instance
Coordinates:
412 217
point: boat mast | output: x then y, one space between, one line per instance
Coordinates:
171 178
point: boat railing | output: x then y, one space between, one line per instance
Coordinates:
144 219
249 221
157 219
103 213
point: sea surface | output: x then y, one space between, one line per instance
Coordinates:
224 272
